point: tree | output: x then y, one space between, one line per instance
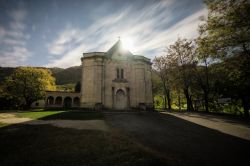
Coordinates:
182 56
227 35
157 90
228 25
203 55
78 87
28 84
162 67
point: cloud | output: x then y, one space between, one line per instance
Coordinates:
18 14
17 25
71 58
158 40
59 46
14 57
150 28
13 40
2 32
17 35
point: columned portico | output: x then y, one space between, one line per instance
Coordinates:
58 99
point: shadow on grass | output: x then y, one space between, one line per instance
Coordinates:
62 115
43 145
192 144
75 115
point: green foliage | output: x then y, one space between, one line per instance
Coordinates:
158 102
226 35
163 78
66 87
182 57
227 26
4 72
3 124
63 76
233 108
156 83
28 84
176 72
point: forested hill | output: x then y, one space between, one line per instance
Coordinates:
67 76
63 76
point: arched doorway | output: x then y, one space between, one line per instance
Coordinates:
58 100
67 102
76 102
120 100
50 100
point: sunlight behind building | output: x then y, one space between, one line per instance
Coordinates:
128 43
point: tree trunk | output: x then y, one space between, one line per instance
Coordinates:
169 100
189 101
179 100
28 103
245 49
245 105
206 91
165 102
206 101
165 95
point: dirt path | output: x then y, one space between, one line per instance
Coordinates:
190 143
75 124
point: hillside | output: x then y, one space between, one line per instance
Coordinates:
63 76
67 76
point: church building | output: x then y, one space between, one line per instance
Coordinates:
113 80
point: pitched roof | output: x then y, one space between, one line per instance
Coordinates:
118 48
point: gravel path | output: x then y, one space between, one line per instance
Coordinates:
190 143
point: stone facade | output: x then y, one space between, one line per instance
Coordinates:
116 79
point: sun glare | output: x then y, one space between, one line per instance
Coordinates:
128 43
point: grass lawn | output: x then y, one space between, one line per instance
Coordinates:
67 115
3 124
37 114
48 145
73 115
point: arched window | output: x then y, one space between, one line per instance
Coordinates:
121 73
117 73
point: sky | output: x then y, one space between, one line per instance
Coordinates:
56 33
